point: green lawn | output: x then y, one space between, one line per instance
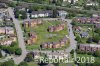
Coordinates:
44 35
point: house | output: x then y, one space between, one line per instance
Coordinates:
13 37
56 45
70 1
59 44
57 55
92 4
84 34
9 30
62 14
36 55
89 47
77 29
2 30
32 39
3 5
87 20
36 14
56 28
62 43
97 25
50 44
44 45
6 42
32 23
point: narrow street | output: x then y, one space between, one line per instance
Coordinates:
73 43
20 58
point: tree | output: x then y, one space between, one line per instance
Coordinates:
78 39
0 54
18 51
16 13
29 57
96 63
72 51
23 14
97 30
90 40
55 13
8 63
23 64
11 4
97 53
96 38
13 44
10 50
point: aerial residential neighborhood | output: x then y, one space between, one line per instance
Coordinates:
49 32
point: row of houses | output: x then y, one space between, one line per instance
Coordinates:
57 55
89 47
59 44
56 28
32 23
8 41
40 13
32 39
7 30
52 55
87 20
36 14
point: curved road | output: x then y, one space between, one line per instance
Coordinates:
20 58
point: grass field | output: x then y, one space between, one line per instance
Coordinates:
44 35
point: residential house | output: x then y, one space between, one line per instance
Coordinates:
92 4
70 1
59 44
77 29
32 23
36 14
2 30
62 14
89 47
84 34
97 25
36 55
6 42
32 39
56 45
50 44
3 5
13 37
87 20
56 28
7 30
57 55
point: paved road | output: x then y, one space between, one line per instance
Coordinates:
73 43
20 58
